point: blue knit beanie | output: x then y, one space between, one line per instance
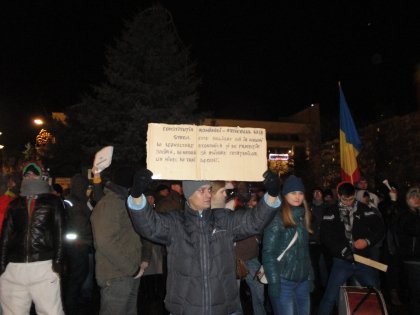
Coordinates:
291 184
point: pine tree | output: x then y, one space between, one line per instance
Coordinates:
149 78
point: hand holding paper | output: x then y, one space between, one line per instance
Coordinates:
103 159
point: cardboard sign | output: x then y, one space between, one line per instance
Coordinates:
370 262
193 152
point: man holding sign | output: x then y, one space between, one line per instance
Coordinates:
201 264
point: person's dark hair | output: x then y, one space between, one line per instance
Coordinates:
58 188
345 189
161 187
176 182
328 192
123 176
319 189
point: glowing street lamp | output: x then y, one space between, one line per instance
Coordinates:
38 121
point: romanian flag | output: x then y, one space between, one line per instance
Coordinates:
350 144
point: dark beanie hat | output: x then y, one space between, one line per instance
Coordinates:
161 187
57 188
190 186
123 176
328 192
292 183
79 185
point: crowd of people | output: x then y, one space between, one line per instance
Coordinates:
135 246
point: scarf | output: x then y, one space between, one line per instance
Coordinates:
32 187
346 215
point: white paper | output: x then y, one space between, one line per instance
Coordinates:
103 159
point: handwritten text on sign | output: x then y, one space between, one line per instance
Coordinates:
206 152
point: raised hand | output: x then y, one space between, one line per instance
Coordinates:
142 180
271 183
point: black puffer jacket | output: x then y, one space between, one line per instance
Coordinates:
36 237
409 234
201 262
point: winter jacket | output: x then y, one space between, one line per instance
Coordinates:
316 218
409 235
153 257
295 264
33 233
367 224
117 245
78 212
201 277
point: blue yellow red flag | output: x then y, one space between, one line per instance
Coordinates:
350 144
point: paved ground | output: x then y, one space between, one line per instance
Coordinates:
155 307
93 308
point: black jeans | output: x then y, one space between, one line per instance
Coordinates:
77 271
412 269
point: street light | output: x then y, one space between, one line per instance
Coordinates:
38 121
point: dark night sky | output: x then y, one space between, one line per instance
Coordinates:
257 59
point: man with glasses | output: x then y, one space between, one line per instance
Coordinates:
346 228
199 240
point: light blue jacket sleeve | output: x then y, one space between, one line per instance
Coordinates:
276 204
135 207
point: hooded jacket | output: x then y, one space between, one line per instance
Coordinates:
78 212
118 247
201 278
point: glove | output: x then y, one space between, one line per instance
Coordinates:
271 183
142 180
347 254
